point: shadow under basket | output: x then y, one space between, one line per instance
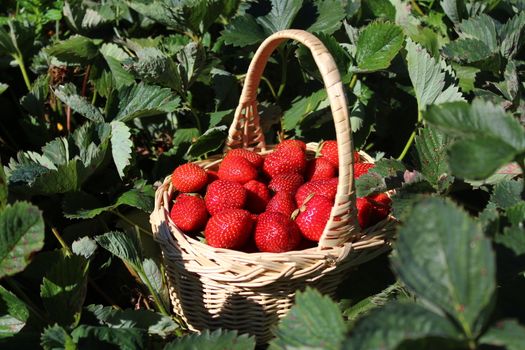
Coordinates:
249 292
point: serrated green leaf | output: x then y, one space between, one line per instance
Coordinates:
213 340
243 31
301 107
8 43
185 136
479 157
63 289
512 35
281 15
21 234
122 246
34 102
431 146
513 238
192 59
153 66
330 14
75 49
226 88
369 183
439 245
406 197
468 50
481 27
146 320
123 338
385 175
80 205
507 193
377 45
55 337
121 146
315 321
516 213
508 334
208 142
388 327
121 77
14 314
466 76
84 246
152 273
67 94
481 119
454 9
379 9
429 77
145 100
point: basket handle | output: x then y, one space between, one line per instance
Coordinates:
246 132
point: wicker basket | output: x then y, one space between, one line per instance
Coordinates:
212 287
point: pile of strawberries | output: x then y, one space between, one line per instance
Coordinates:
276 203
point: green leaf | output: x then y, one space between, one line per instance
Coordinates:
8 44
481 27
145 100
75 49
314 322
192 59
153 66
513 238
145 320
80 205
281 16
121 77
301 107
63 289
330 14
439 245
512 35
3 188
389 327
84 246
36 99
481 119
243 31
379 9
3 87
208 142
386 174
431 79
369 183
187 136
122 246
217 340
21 234
467 50
479 157
121 146
68 95
507 193
14 314
152 273
508 334
55 337
431 148
405 198
454 9
123 338
377 45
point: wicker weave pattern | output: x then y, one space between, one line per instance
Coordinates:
212 287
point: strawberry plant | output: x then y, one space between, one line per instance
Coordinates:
102 100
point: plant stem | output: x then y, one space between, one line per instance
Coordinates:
34 309
129 222
416 7
263 78
284 69
521 163
85 80
21 65
353 82
61 241
411 138
153 292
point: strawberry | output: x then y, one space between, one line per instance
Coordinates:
326 188
288 182
319 168
291 143
381 206
282 202
229 229
189 213
254 158
313 217
357 157
276 233
361 169
364 212
329 152
189 177
285 160
212 176
238 169
223 194
258 196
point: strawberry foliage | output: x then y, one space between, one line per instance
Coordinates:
103 99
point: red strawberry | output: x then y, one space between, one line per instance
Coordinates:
313 217
291 143
357 157
329 151
238 169
223 194
189 177
254 158
364 212
189 213
381 206
361 169
319 168
282 202
285 160
258 196
229 229
212 176
276 233
288 182
326 188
